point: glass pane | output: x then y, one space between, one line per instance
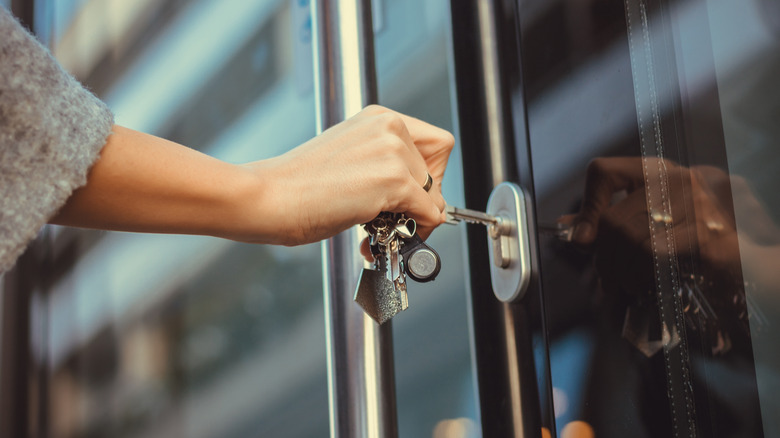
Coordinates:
155 335
655 122
434 383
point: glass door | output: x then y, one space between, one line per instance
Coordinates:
651 129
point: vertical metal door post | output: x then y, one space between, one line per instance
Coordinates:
361 384
489 107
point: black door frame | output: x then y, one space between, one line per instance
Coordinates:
509 339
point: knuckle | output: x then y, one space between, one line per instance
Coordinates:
447 139
390 146
396 146
373 109
392 122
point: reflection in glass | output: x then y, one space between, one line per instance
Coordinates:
662 311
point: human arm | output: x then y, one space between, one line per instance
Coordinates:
52 131
375 161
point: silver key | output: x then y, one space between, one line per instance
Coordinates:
455 215
562 231
496 226
403 230
395 272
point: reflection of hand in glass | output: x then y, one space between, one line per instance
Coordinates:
694 230
615 219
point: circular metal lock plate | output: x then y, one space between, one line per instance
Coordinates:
510 283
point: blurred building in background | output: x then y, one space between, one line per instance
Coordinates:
165 336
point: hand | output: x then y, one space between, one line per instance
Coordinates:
375 161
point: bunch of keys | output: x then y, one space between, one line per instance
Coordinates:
398 252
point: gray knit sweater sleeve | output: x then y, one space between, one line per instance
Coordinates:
51 132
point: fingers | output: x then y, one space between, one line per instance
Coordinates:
438 198
414 159
427 136
422 133
605 177
418 204
434 191
428 149
351 172
365 250
382 119
433 144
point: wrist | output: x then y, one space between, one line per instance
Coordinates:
259 205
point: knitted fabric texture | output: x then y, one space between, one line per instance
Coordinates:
51 132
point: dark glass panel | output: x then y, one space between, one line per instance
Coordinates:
660 111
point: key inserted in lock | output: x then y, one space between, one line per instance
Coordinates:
505 217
